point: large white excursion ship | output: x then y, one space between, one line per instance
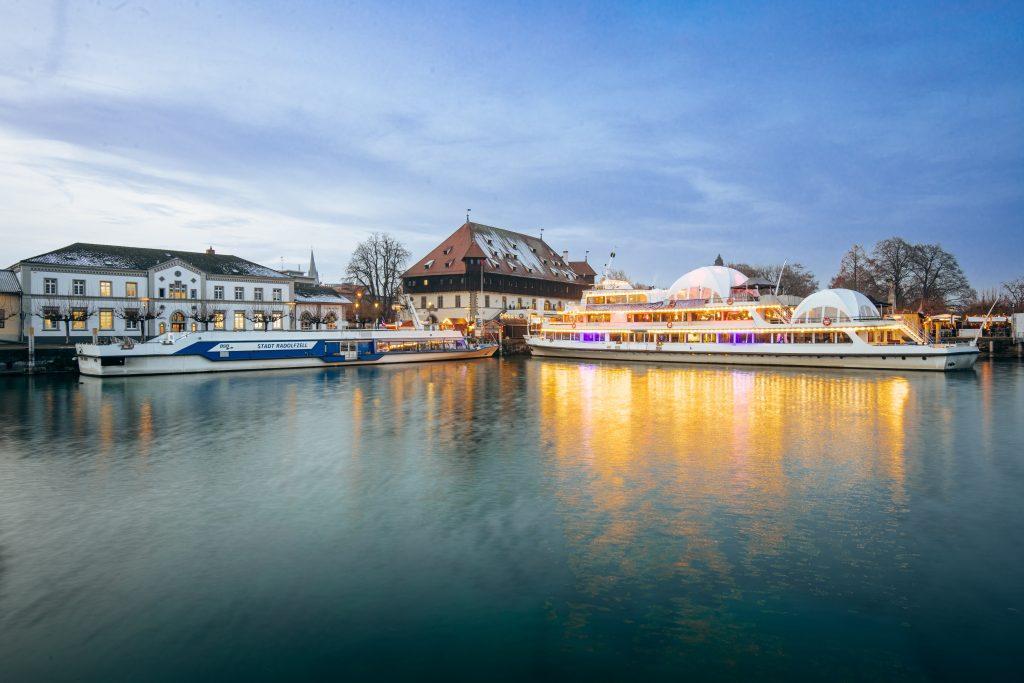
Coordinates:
221 351
716 314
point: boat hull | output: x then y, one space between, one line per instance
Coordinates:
935 359
247 351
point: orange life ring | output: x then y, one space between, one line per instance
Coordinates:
671 304
669 325
574 326
521 315
730 301
826 321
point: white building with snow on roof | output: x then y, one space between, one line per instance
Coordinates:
118 291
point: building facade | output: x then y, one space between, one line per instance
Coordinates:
10 307
480 270
116 291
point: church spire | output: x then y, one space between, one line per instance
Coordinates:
719 261
312 268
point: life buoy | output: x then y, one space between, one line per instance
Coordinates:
730 301
671 304
574 326
669 325
522 315
826 321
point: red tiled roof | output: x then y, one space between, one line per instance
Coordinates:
582 268
504 252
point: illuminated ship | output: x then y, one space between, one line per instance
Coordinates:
716 314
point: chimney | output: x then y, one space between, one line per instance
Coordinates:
565 256
210 251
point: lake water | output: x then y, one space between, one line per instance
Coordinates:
513 520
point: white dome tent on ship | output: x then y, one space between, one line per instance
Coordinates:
841 305
706 282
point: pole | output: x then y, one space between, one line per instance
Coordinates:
31 349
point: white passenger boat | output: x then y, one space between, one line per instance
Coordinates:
711 315
222 351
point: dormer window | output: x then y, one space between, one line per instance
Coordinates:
490 242
447 251
533 249
426 266
448 264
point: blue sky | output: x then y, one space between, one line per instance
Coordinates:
670 131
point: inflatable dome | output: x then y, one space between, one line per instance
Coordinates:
702 283
838 304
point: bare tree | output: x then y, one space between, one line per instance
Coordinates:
937 281
981 302
1014 293
136 314
263 317
796 279
69 312
6 316
892 267
618 274
377 264
204 314
856 273
315 316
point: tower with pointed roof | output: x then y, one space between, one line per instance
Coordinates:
312 268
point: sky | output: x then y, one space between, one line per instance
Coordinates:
669 132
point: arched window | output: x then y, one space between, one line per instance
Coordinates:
331 320
177 321
306 321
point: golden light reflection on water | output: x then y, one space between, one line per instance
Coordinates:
651 463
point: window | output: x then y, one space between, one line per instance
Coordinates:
192 294
106 319
276 294
440 301
239 320
131 290
78 287
78 318
218 317
177 290
278 321
423 302
3 318
161 293
50 321
257 293
106 288
131 319
458 301
50 285
426 283
504 302
239 293
331 321
487 300
218 291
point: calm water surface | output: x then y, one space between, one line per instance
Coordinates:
513 520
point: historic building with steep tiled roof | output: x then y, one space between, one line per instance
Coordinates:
487 271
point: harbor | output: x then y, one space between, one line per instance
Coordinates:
507 517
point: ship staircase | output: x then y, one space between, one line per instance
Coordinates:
913 329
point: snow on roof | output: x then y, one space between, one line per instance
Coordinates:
9 283
315 294
85 255
504 251
718 279
839 303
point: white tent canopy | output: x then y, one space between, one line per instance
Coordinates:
701 283
838 304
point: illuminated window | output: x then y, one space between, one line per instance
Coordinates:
218 320
276 294
131 290
78 287
50 321
178 290
278 321
218 291
78 318
332 321
239 320
239 293
106 319
50 285
106 288
257 293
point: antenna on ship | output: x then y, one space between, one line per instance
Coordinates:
781 271
467 214
608 265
